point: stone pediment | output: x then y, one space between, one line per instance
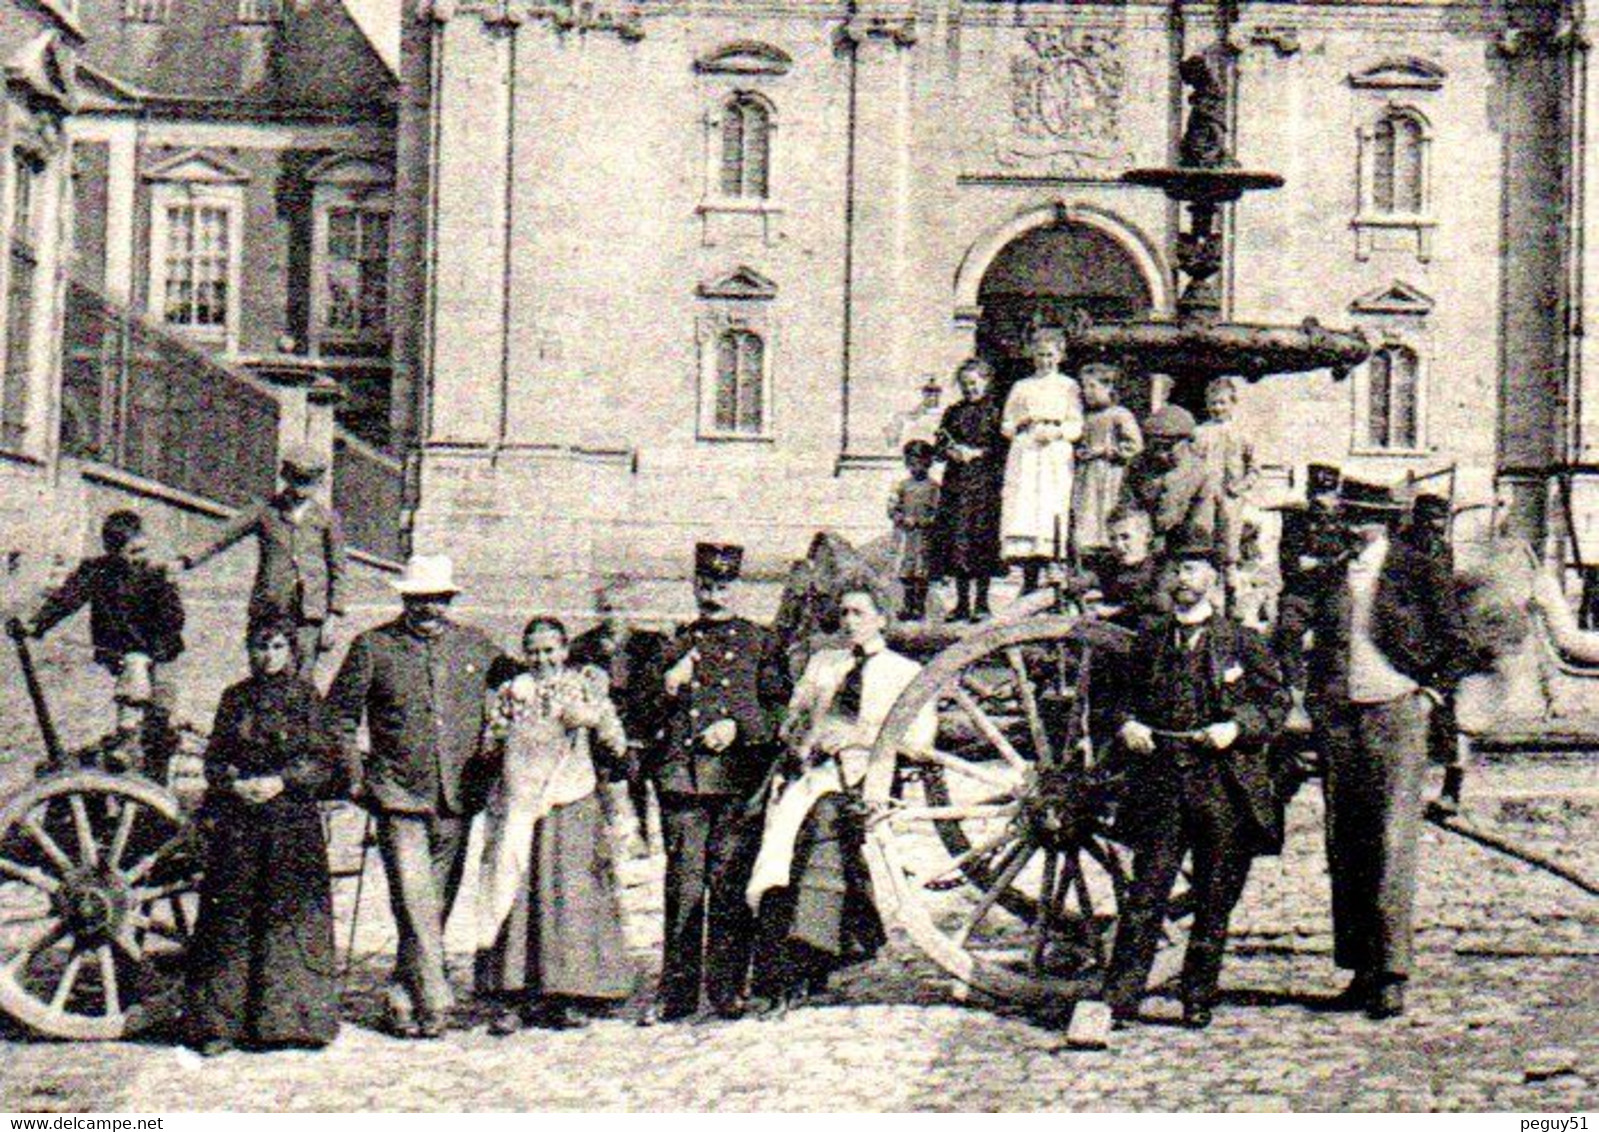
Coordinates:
1396 298
745 58
741 283
197 166
1408 73
351 169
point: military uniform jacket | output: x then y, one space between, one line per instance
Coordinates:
424 701
740 676
302 566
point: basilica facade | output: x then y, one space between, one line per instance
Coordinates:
695 269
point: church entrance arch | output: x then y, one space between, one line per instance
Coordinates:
1043 275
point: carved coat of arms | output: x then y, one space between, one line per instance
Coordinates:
1066 97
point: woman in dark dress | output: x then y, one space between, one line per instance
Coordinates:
966 531
261 968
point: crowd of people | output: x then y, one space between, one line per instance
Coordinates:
755 768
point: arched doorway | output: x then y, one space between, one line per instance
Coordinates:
1043 275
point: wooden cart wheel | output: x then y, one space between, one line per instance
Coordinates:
98 879
995 852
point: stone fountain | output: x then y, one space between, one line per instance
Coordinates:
1197 345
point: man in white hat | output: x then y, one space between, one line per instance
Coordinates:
420 682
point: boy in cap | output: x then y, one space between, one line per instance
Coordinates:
725 682
1205 700
136 625
299 576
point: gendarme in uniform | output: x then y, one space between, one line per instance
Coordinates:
725 682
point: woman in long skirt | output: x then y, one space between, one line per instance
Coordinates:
1043 420
550 917
261 968
966 531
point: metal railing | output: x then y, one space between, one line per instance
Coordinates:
145 402
368 493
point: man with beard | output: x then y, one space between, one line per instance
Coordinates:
725 681
421 684
1204 702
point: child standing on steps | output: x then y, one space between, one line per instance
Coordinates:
1111 440
913 509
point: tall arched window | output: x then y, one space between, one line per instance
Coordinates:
1398 179
740 407
1393 417
746 147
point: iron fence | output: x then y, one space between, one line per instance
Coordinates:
142 401
368 492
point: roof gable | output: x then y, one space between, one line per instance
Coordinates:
1397 297
197 166
1409 73
740 283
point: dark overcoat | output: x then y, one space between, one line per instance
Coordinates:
261 968
1244 685
966 529
1417 624
301 571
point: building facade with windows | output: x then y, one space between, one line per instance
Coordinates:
40 42
234 174
694 268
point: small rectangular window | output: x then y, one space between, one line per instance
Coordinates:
260 11
145 11
197 259
357 272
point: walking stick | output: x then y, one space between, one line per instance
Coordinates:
368 836
41 707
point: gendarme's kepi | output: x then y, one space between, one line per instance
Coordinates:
718 561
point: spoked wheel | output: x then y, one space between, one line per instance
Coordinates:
995 851
98 880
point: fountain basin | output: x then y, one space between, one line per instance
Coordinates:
1203 184
1199 350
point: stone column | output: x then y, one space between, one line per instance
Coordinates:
876 382
308 402
468 246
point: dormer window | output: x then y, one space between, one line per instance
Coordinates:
145 11
260 11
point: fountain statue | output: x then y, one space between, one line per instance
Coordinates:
1197 345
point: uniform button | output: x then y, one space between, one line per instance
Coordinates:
730 656
726 683
694 713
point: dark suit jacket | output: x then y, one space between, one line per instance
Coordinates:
133 607
633 662
1246 686
1416 622
424 701
301 570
